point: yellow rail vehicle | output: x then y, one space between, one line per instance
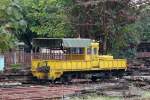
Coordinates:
67 58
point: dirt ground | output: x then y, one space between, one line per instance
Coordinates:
112 89
121 89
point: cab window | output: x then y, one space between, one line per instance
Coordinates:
89 51
76 51
95 51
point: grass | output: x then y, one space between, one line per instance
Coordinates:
93 96
146 94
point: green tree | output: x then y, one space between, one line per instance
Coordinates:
133 34
102 20
143 24
7 41
37 18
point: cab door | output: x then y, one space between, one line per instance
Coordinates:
94 53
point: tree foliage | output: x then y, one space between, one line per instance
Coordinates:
102 20
37 18
7 41
142 25
119 25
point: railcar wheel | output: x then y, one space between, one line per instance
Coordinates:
34 80
65 79
94 79
53 81
119 74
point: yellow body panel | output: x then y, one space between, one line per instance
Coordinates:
78 62
57 68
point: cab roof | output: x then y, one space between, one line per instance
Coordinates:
62 42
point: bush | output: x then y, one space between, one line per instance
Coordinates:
15 67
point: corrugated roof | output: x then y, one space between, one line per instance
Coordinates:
65 42
76 42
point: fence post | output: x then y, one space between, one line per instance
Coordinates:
15 58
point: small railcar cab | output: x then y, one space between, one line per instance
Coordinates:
65 49
66 58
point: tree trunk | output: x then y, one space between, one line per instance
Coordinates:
105 45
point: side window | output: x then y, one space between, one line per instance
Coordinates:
81 50
95 51
77 51
73 50
89 51
68 51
